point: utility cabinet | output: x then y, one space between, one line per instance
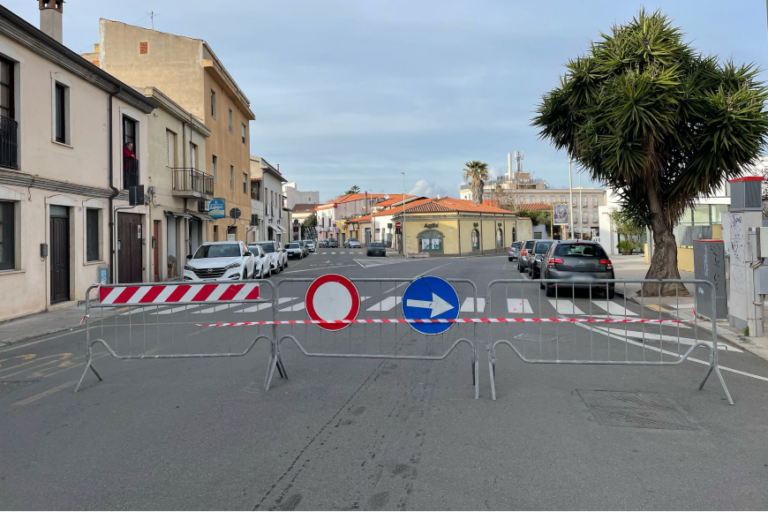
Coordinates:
709 265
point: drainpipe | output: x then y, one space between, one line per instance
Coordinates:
115 191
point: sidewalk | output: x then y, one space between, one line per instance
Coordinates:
634 267
39 325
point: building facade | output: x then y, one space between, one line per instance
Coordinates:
189 72
294 196
64 214
176 186
272 222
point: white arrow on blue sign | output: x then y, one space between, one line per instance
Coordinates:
429 298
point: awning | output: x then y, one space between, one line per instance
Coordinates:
278 229
201 216
178 214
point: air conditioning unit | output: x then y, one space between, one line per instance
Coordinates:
203 206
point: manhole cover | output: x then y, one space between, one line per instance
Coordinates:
534 337
638 410
7 386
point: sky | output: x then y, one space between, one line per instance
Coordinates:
356 92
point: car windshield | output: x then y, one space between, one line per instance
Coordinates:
542 247
218 251
293 246
353 239
516 245
529 244
376 244
580 250
308 242
268 247
254 250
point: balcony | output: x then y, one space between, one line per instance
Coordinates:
9 145
192 183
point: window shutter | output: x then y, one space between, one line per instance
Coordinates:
170 144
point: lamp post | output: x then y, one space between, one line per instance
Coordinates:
570 195
405 247
581 213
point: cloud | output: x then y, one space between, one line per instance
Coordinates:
427 189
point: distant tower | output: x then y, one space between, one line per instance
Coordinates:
51 12
519 160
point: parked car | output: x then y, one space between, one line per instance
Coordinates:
514 250
277 260
582 263
262 266
540 248
304 246
333 243
282 256
219 261
294 250
352 243
310 245
376 249
525 255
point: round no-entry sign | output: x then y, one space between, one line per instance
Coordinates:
399 225
332 297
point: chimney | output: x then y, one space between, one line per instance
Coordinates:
51 12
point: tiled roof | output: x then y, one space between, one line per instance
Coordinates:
534 207
393 198
399 208
364 218
355 197
304 207
449 204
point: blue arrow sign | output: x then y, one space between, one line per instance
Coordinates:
429 298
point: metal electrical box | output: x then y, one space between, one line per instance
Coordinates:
746 194
709 265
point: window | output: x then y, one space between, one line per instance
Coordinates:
143 48
551 199
232 176
245 132
215 165
542 199
595 218
170 149
533 199
499 238
475 240
583 200
230 120
215 233
585 217
562 199
7 104
130 152
61 95
594 200
213 104
7 236
92 234
193 155
245 183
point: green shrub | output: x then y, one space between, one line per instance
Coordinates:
625 246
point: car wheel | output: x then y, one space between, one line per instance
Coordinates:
550 291
611 293
245 274
510 259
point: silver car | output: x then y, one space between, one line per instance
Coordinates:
525 255
514 250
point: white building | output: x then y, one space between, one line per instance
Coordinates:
269 220
294 196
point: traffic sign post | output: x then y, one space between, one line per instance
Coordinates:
332 297
430 298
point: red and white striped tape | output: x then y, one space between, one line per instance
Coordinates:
450 321
175 293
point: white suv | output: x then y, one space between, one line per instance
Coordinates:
219 261
277 257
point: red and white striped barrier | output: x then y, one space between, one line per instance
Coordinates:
450 321
177 293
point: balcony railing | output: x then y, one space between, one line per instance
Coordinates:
9 143
130 173
192 183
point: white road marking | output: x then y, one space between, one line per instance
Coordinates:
565 307
261 307
216 309
613 308
386 304
469 307
665 337
173 310
295 307
519 306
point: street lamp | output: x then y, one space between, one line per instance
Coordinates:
570 195
402 235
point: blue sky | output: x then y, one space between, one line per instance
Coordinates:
355 91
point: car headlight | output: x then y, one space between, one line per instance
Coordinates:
233 265
187 267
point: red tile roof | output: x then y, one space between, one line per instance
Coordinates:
393 198
364 218
534 207
304 207
449 204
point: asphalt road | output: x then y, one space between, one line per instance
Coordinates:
383 434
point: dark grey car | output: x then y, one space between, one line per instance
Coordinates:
525 255
581 263
540 248
376 249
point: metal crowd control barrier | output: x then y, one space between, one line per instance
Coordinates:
162 321
380 330
585 326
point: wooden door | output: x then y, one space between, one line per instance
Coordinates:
129 242
59 259
156 249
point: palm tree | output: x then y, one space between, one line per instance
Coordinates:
475 173
353 190
646 114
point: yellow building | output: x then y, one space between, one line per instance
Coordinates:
190 74
453 227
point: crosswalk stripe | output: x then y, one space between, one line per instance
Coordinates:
216 309
172 310
260 307
469 307
565 307
294 307
665 337
519 306
386 304
613 308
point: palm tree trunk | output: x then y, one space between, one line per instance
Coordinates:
664 260
477 191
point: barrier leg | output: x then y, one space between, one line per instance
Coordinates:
492 369
714 366
709 371
475 371
88 366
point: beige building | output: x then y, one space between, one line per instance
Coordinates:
63 126
189 73
176 186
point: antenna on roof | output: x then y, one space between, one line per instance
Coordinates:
152 15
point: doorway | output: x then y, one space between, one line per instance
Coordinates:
59 254
129 243
156 249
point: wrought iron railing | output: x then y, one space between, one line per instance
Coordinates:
9 143
192 180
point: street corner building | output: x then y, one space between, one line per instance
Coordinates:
454 227
73 139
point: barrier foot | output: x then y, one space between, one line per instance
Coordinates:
89 365
492 371
714 366
722 383
475 373
281 367
270 370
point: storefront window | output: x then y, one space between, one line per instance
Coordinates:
499 238
475 240
431 240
